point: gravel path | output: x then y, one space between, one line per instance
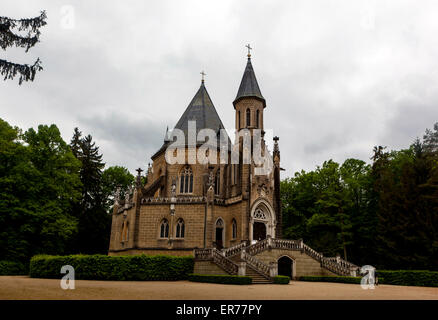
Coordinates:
22 287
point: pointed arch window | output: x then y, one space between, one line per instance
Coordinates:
217 182
234 229
180 229
164 229
186 180
125 231
238 119
258 118
248 117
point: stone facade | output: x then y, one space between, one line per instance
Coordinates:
216 211
239 207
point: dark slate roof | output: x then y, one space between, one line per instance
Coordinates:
249 86
202 110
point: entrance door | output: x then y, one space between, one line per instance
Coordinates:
259 231
219 240
285 266
219 234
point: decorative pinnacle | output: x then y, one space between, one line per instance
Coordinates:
249 50
203 74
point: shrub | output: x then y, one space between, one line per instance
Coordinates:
224 279
9 268
281 279
102 267
422 278
339 279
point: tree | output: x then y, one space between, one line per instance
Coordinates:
39 183
94 221
9 37
112 178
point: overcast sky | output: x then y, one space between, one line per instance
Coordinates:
339 77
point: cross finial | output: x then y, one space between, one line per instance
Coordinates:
203 74
249 50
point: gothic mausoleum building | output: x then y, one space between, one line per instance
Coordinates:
223 213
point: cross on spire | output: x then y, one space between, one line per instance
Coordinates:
249 50
203 74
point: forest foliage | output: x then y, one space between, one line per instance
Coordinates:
53 195
384 213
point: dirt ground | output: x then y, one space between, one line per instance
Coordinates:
22 287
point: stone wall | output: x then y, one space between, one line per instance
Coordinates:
207 267
303 265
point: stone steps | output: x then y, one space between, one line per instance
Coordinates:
257 278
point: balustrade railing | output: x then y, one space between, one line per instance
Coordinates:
335 267
314 254
225 263
257 247
335 264
203 254
286 244
258 265
232 251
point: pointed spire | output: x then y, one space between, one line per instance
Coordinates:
249 88
166 136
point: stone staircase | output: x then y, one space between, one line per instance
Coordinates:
257 278
240 259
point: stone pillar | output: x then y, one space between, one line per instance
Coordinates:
242 269
273 269
269 240
242 254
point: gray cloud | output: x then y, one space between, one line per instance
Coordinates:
339 77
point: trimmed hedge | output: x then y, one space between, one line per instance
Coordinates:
338 279
10 268
223 279
281 279
102 267
422 278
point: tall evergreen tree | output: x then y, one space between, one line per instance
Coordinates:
9 37
94 222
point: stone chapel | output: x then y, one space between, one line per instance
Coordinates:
224 214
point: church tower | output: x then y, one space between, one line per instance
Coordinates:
249 102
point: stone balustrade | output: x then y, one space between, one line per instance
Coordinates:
231 251
163 200
225 263
261 267
333 264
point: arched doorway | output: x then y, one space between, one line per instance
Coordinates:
259 231
262 222
219 238
285 266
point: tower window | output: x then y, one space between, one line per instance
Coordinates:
238 119
248 117
125 230
186 180
258 119
234 229
180 228
217 181
164 229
